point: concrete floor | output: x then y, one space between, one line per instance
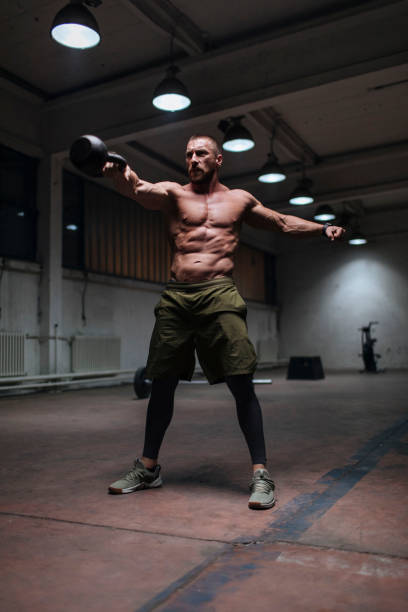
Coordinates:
336 541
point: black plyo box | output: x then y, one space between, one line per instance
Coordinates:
305 368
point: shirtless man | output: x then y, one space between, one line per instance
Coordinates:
200 307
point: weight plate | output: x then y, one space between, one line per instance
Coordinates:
141 385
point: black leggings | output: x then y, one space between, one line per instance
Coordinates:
161 406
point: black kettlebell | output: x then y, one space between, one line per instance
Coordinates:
89 154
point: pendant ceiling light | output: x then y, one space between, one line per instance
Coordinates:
302 194
171 94
237 138
271 172
74 26
324 213
357 238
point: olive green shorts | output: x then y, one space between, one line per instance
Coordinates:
208 317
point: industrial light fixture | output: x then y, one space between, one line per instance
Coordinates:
302 193
357 238
271 172
236 137
74 26
324 212
171 94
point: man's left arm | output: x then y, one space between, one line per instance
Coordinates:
261 217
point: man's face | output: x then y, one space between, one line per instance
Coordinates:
201 160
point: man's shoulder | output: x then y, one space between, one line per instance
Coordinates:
242 196
171 188
240 193
170 185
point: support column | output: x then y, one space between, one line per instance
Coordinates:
50 258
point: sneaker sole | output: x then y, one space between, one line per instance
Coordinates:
153 485
260 506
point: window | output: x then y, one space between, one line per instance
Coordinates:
107 233
18 213
73 221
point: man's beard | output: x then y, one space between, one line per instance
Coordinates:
202 176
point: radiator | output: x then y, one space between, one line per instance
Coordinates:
95 353
12 354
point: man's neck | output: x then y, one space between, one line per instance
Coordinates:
208 187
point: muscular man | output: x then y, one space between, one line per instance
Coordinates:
200 308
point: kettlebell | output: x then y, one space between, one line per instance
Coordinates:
89 154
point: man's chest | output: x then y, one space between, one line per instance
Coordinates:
209 211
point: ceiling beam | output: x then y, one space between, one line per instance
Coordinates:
64 123
218 88
24 145
340 195
285 33
332 162
14 83
288 139
169 20
152 157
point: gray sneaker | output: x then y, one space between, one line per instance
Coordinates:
262 488
138 477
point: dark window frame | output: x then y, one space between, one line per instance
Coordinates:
18 205
73 206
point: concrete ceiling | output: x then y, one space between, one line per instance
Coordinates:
331 76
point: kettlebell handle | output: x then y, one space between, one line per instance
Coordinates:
89 154
117 159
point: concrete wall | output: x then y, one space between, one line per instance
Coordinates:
19 306
263 332
20 120
326 292
113 306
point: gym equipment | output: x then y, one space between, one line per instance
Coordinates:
305 368
89 154
367 346
143 385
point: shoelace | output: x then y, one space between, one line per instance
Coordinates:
136 470
261 485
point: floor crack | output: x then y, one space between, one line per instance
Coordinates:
113 528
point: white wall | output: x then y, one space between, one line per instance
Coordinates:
262 330
326 292
125 308
19 303
113 307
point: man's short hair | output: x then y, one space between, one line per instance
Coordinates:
215 146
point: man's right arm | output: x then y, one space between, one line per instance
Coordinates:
155 196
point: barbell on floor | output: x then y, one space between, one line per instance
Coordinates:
143 385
